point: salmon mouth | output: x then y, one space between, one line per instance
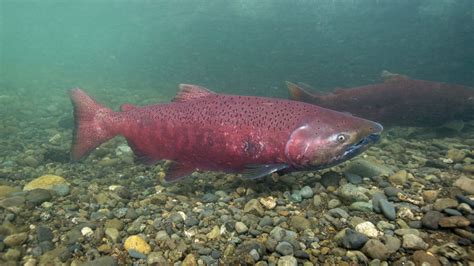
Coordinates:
359 147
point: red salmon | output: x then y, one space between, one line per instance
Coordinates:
399 101
203 130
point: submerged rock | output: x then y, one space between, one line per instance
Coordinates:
49 182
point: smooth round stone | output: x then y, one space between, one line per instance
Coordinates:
15 239
215 254
266 221
254 254
353 239
353 178
330 178
287 261
43 233
452 212
411 241
388 209
306 192
430 219
361 206
376 249
338 213
444 203
284 248
334 203
209 197
391 191
352 193
296 196
464 199
241 227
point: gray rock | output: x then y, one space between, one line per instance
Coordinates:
135 254
265 221
361 206
444 203
388 209
334 203
210 197
330 178
352 193
353 239
254 254
306 192
452 251
191 221
102 261
15 239
452 212
43 233
241 227
284 248
296 196
431 219
353 178
204 251
464 199
366 168
299 223
376 249
317 202
287 261
338 213
391 191
411 241
15 201
38 196
392 243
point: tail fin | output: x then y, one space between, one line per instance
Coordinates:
299 94
90 129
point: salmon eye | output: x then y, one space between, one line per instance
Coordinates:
341 138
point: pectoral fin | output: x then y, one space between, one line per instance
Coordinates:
261 170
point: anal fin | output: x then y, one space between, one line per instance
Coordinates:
178 171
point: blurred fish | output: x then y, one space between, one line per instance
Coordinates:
204 130
399 101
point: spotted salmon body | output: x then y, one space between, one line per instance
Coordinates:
203 130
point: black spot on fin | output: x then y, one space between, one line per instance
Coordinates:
261 170
188 92
178 171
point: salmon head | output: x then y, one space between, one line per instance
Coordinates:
330 139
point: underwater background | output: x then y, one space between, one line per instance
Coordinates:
139 51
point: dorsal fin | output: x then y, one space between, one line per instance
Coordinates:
189 92
299 94
127 107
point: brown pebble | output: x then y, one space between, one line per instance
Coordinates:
454 221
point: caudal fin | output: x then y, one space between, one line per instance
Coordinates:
90 124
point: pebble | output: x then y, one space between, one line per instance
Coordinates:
411 241
406 231
49 182
296 196
452 212
352 193
253 206
6 191
43 233
382 205
452 251
352 239
265 221
317 202
376 249
392 243
391 191
137 243
210 197
189 260
384 225
15 239
334 203
112 234
421 257
191 221
454 221
306 192
466 184
102 261
361 206
11 255
431 219
268 202
464 199
241 227
399 178
87 231
330 179
338 213
465 208
215 233
299 223
284 248
254 254
367 228
444 203
456 155
366 168
353 178
429 196
287 261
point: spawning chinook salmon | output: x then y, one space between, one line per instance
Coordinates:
203 130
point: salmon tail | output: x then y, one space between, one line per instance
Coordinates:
299 94
91 124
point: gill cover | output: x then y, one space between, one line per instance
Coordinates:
298 145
